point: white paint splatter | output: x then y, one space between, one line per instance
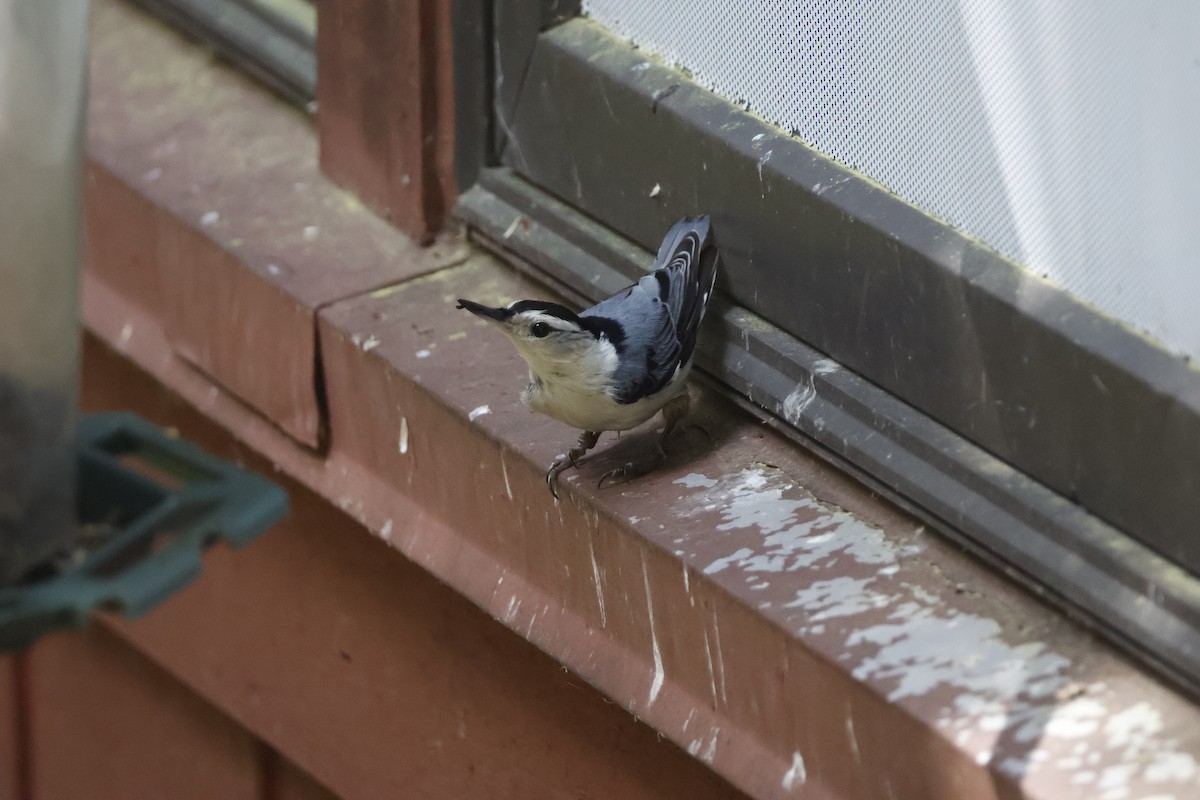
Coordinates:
504 473
370 343
766 157
310 233
403 443
478 411
423 353
826 366
209 218
151 175
599 587
796 774
385 532
710 752
796 403
851 737
720 657
712 673
659 673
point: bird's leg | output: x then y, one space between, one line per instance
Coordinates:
587 440
673 412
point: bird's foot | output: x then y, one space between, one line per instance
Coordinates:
557 467
630 470
587 440
698 427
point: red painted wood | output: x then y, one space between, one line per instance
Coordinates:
10 728
286 781
107 723
371 674
386 106
190 182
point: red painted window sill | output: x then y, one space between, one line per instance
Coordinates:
770 616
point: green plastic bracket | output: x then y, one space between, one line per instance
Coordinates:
148 505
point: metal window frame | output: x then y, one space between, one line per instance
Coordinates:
1038 432
277 49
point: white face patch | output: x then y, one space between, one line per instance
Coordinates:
526 325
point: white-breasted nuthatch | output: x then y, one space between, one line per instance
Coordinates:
618 363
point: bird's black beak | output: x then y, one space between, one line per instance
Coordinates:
487 312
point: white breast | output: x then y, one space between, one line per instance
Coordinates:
575 394
591 408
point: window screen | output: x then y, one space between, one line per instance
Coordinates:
1062 133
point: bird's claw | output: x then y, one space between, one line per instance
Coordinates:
702 429
559 465
618 475
587 440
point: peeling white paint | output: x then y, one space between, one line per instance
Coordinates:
1018 703
839 597
478 411
796 774
695 479
922 647
733 558
659 673
370 343
1171 767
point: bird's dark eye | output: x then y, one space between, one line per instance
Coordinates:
539 330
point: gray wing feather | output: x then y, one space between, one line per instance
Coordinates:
661 313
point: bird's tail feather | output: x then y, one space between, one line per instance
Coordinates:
688 256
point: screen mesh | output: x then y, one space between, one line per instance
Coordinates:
1064 133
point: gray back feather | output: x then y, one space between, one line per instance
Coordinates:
660 314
